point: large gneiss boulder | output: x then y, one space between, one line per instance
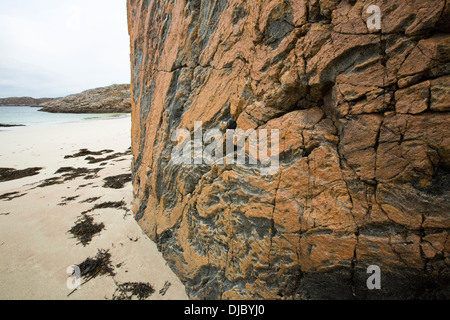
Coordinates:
111 99
363 120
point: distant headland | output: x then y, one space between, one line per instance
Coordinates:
24 101
112 99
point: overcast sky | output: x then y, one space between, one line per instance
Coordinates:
52 48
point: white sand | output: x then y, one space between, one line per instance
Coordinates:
35 246
25 147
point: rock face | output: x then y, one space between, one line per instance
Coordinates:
112 99
364 175
24 101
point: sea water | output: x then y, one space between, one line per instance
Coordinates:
31 116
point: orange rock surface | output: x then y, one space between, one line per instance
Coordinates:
364 145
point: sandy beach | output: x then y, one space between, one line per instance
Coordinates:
40 216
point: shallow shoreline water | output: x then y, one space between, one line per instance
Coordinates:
32 116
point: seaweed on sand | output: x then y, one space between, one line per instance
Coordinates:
70 173
65 200
98 266
8 174
85 229
164 289
2 125
117 182
93 160
11 195
90 200
102 265
109 205
50 182
86 152
128 290
84 185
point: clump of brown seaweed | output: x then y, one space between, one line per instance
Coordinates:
98 266
128 290
85 229
8 174
117 182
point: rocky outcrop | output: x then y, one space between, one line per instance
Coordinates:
23 101
364 149
112 99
